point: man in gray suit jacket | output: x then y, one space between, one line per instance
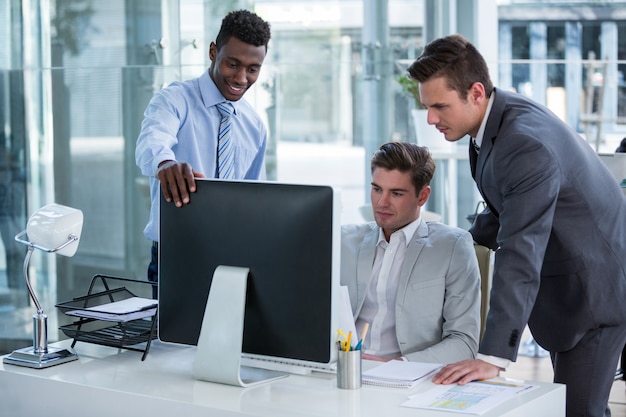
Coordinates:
556 218
416 284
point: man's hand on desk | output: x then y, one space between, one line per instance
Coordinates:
466 371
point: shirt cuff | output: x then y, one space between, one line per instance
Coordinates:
494 360
166 165
159 159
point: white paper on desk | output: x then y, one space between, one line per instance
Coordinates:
475 397
132 308
399 374
346 319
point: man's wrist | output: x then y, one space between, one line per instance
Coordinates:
165 165
495 361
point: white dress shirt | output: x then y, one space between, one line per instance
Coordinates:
481 131
379 307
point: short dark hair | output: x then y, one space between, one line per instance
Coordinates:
406 157
457 60
245 26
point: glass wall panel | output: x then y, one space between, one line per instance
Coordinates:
593 71
621 72
12 188
555 91
575 60
104 52
520 47
25 161
318 75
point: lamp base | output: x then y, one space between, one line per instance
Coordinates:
27 357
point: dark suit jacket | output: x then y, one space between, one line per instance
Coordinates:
557 218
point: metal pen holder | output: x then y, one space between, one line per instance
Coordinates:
349 369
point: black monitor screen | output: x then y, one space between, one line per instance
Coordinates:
286 234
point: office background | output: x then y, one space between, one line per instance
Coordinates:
76 75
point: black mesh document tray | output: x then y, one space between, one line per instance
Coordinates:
122 332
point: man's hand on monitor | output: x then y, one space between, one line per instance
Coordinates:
177 181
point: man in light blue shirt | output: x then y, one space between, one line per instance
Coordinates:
179 133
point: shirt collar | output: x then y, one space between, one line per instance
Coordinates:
408 231
481 132
211 96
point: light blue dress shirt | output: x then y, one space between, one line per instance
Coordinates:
181 123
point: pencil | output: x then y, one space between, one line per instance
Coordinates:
366 327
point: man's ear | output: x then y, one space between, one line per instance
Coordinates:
424 193
212 51
476 92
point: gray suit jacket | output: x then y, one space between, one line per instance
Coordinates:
557 218
438 296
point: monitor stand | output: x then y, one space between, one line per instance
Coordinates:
218 358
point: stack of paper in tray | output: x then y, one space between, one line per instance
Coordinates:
132 308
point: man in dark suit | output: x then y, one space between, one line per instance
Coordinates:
556 218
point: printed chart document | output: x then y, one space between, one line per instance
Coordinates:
132 308
475 397
399 374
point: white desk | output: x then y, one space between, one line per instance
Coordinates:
108 382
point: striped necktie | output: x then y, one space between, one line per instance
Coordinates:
225 157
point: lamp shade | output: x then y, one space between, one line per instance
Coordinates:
50 227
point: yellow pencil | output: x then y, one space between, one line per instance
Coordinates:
348 341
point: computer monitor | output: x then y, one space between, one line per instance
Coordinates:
288 235
616 162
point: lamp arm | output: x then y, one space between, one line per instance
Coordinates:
29 253
31 247
70 239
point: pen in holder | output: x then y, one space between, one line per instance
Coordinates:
349 369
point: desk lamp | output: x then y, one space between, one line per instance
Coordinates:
54 229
